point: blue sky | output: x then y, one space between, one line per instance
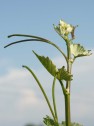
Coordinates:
21 101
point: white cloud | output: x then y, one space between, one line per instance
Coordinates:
28 99
17 82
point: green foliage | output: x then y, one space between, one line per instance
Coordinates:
78 51
61 74
50 122
48 64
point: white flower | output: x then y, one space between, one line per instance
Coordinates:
65 28
69 28
62 23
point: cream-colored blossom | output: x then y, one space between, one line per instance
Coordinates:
65 28
62 23
69 28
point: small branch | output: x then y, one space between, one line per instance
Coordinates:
39 84
31 36
21 41
36 39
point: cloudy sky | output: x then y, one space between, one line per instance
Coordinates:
21 101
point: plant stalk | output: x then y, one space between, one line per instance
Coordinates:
67 94
53 97
35 38
39 84
67 110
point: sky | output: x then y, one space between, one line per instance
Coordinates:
21 100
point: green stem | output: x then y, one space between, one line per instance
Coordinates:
62 86
67 95
39 84
67 110
37 38
53 97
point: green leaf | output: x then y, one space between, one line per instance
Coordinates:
61 74
78 51
49 122
48 64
